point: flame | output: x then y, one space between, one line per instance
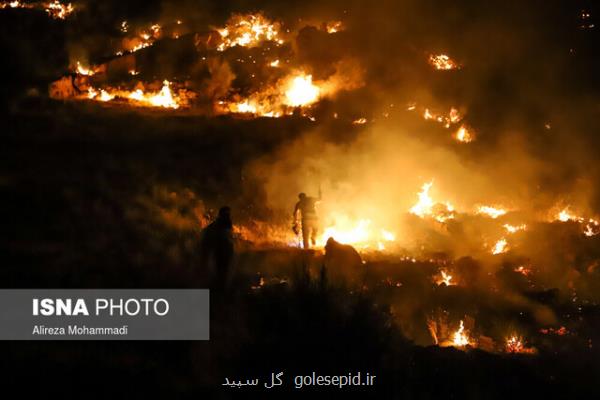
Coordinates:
464 135
163 98
453 117
500 247
81 70
523 270
444 278
274 63
301 91
514 228
248 30
492 212
333 26
359 233
54 9
144 38
425 203
592 228
565 215
58 10
426 206
442 62
515 344
460 338
295 90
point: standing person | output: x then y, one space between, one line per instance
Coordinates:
216 247
305 212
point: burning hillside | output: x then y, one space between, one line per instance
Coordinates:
410 176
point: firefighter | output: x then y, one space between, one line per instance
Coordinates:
306 219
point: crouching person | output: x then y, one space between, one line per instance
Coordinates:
343 264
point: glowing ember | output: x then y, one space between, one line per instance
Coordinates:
592 228
301 91
15 4
514 344
58 10
54 9
453 117
274 64
333 26
500 247
248 31
492 212
442 62
463 135
460 338
359 121
523 270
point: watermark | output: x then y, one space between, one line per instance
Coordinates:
313 379
104 314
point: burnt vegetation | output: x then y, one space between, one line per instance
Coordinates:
111 194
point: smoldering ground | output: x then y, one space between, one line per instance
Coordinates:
115 197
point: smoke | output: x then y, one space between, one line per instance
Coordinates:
221 77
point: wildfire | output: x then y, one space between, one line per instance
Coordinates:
514 228
163 98
358 233
514 344
492 212
296 90
58 10
442 62
464 135
15 4
592 228
523 270
81 70
426 206
248 31
500 247
54 9
425 203
565 215
444 278
460 338
301 91
453 116
333 26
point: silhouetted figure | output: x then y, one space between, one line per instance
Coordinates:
217 247
306 212
343 263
